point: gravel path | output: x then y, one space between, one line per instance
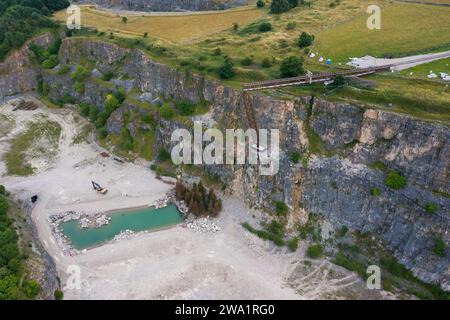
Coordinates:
400 63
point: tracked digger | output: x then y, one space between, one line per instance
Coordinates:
98 188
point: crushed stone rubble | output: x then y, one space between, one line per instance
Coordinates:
85 220
202 225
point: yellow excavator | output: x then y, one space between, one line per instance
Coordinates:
99 189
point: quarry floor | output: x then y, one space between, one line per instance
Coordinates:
176 263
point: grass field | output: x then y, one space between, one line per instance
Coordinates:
405 29
423 70
176 28
29 145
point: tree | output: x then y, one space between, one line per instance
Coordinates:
260 3
305 40
235 26
226 71
124 19
279 6
292 66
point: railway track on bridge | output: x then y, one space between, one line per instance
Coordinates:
318 77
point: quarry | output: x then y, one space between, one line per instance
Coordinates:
87 149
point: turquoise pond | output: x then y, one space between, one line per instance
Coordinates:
135 220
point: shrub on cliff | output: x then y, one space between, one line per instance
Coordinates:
281 208
432 207
439 247
314 251
167 112
80 74
395 180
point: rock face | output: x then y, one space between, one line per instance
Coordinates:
168 5
339 144
17 72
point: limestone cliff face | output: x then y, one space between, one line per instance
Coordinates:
335 180
17 72
168 5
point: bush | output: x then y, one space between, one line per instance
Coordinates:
395 180
439 247
293 244
235 26
226 71
315 251
291 25
59 295
281 208
4 206
51 62
432 207
217 52
186 108
352 265
124 19
102 133
292 66
80 74
164 155
260 3
2 190
79 87
246 61
166 112
64 69
84 109
107 76
295 157
93 113
375 192
265 27
32 289
305 40
126 140
266 63
342 232
339 81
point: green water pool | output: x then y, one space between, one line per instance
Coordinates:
135 220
